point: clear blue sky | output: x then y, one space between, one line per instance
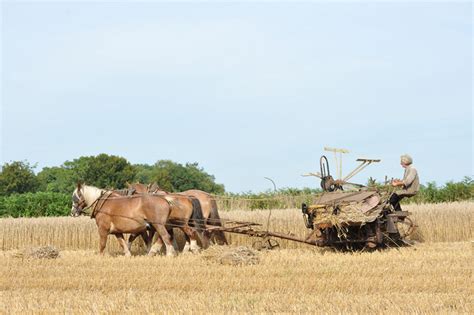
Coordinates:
247 90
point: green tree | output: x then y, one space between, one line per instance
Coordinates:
17 177
143 173
104 171
176 177
57 179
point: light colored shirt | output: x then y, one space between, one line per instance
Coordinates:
411 182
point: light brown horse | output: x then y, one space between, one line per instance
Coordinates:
115 214
186 214
208 207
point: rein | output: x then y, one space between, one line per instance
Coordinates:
92 205
97 204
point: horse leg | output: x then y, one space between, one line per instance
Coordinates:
187 245
103 240
148 239
175 243
204 236
156 247
166 238
191 234
123 243
131 238
187 232
145 237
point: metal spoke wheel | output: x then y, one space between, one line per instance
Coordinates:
267 243
405 227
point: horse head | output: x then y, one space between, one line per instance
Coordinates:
84 196
153 188
78 201
138 188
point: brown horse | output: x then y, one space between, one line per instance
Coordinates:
115 214
210 213
186 214
208 207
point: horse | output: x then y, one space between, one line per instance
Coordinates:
208 206
210 213
186 214
116 214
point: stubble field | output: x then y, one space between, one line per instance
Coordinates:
435 275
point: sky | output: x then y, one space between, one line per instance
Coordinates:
247 90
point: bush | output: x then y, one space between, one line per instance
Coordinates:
450 192
40 204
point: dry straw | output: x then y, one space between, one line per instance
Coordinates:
42 252
431 278
234 256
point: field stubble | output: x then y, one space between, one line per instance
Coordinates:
433 276
428 278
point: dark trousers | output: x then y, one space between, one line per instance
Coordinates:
395 201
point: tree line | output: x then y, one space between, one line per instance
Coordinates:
104 171
23 193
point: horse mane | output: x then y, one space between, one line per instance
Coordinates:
91 193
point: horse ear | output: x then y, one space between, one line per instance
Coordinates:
128 184
78 186
154 186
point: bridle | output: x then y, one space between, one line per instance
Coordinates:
79 202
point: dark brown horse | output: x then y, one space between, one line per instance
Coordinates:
186 214
208 207
115 214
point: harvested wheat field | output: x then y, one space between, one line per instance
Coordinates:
428 278
65 273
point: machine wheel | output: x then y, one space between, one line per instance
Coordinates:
268 243
405 227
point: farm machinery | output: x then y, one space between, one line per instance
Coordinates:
351 215
345 215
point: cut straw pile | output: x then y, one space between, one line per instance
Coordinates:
234 256
349 213
42 252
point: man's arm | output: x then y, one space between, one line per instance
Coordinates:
410 177
397 182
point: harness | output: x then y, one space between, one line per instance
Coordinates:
97 204
107 195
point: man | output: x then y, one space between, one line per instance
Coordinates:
410 184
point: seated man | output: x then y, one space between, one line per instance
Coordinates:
410 183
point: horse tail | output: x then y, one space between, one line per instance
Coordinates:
215 219
197 218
